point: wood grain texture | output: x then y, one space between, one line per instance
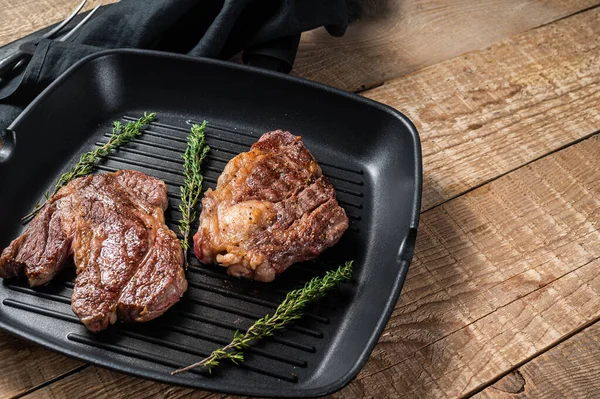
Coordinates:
488 112
25 365
94 382
500 274
569 370
412 34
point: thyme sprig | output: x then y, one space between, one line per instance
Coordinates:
289 310
121 134
194 154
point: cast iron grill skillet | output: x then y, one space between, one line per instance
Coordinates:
370 152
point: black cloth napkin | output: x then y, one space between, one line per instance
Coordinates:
267 31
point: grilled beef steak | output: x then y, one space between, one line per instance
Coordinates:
129 264
272 207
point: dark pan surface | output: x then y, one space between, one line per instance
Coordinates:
370 152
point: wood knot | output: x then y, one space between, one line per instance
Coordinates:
511 383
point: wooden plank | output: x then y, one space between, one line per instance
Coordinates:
413 34
489 112
510 268
569 370
20 18
500 274
26 365
94 382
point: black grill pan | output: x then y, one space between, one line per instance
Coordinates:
370 152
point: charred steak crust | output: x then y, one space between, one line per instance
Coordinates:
272 207
129 264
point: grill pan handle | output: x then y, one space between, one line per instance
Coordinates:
275 55
7 144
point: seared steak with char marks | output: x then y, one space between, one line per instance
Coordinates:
129 264
272 207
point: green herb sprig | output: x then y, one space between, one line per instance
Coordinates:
121 134
196 151
289 310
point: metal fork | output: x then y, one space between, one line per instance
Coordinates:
21 56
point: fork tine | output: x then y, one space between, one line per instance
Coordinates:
80 24
54 31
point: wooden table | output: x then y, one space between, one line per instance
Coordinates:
503 296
